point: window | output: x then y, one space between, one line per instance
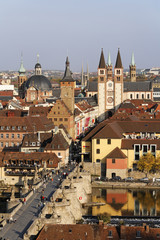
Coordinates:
24 127
7 128
55 119
12 144
142 96
61 119
130 96
2 128
98 160
98 141
17 144
144 149
59 154
1 135
153 149
138 233
148 96
110 233
7 144
18 135
13 128
109 141
98 151
7 135
102 78
137 96
50 162
19 128
118 78
1 144
136 152
113 160
101 71
33 144
66 119
26 143
118 71
12 135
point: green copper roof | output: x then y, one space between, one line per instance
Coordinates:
132 60
22 69
109 60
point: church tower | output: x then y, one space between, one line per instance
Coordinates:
38 68
109 85
118 81
132 68
21 79
67 88
102 87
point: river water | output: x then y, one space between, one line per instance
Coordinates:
126 202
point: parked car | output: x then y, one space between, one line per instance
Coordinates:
116 178
104 179
128 179
145 179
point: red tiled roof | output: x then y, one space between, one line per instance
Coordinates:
116 153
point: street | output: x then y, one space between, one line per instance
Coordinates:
29 212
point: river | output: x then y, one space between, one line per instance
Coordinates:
126 202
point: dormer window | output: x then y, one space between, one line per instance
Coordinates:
13 127
2 127
7 128
38 143
24 127
33 144
26 143
19 128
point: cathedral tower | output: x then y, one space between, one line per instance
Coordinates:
102 87
118 81
109 85
67 88
21 79
132 68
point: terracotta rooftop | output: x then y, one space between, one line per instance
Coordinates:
41 156
116 153
58 143
129 143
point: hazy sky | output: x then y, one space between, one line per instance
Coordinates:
79 28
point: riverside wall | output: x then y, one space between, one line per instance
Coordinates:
65 205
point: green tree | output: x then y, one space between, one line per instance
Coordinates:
156 166
146 163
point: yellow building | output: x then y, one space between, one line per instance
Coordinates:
132 138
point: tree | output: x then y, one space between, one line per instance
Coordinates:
156 166
146 163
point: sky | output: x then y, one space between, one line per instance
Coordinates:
79 29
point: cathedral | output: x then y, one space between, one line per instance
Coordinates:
112 90
35 88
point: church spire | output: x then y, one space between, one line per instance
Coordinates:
102 60
22 69
132 60
67 74
118 61
109 63
82 80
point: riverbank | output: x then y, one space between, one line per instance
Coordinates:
125 185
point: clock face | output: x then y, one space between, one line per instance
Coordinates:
109 84
110 100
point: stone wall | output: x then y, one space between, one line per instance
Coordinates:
93 168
